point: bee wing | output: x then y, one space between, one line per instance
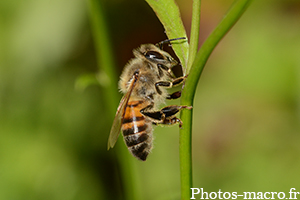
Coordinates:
116 126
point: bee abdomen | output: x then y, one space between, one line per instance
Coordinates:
139 140
137 131
136 139
141 151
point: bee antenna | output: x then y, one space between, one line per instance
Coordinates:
160 44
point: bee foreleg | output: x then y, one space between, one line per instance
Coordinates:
169 70
179 80
162 84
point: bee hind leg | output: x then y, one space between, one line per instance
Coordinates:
171 121
170 118
165 116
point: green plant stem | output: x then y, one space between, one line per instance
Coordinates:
189 90
104 55
111 96
185 137
208 46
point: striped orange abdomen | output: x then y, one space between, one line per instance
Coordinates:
137 130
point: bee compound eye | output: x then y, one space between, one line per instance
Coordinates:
154 55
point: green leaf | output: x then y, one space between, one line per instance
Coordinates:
195 31
168 13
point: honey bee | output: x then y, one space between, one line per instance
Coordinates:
143 82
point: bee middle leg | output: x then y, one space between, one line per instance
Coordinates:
169 84
164 116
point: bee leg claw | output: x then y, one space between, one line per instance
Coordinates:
188 107
180 125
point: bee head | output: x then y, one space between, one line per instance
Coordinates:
154 54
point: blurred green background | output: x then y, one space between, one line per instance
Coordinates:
53 137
